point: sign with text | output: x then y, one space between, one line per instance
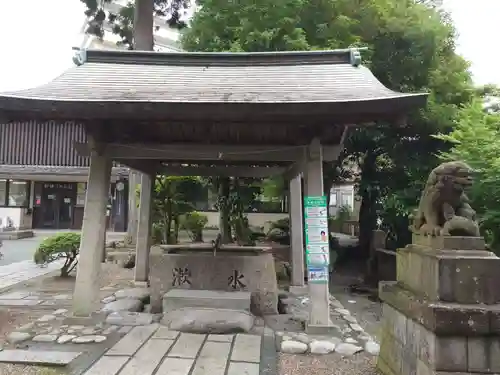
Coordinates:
318 275
316 231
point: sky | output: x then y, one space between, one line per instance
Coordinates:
35 50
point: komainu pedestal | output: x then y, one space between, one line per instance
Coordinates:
442 315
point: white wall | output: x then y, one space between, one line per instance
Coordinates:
254 218
18 215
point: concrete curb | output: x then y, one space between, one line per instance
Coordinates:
268 354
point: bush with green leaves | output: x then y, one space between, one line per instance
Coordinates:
60 246
194 223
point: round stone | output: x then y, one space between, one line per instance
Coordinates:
88 339
321 347
350 318
350 340
343 311
372 347
45 338
47 318
293 347
65 338
16 337
301 337
356 327
108 299
347 349
26 327
133 293
60 312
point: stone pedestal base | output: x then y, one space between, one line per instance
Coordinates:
442 316
225 272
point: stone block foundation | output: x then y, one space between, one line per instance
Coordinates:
228 271
442 314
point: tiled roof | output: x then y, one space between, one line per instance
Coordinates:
281 77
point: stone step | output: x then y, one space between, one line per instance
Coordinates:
179 298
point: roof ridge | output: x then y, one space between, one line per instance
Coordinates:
350 56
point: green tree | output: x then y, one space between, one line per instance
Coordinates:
476 140
174 196
122 22
410 47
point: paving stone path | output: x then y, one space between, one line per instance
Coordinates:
19 272
154 350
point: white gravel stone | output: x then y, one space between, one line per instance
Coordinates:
347 349
301 337
108 299
47 318
60 312
77 328
364 336
343 311
321 347
26 327
133 293
126 304
293 347
89 331
65 338
16 337
350 318
372 347
350 340
356 327
88 339
45 338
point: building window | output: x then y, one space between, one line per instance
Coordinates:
18 193
3 192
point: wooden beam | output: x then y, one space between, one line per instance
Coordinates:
194 152
144 166
229 171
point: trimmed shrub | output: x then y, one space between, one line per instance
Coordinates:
194 223
60 246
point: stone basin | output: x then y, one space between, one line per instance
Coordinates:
207 248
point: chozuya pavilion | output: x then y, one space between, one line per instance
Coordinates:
236 112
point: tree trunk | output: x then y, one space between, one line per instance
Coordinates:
133 214
367 211
224 224
144 41
143 25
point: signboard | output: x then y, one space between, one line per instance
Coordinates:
316 231
318 275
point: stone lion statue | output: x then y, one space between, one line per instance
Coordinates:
444 207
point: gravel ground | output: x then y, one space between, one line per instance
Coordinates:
329 364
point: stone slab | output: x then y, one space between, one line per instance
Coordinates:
107 366
176 366
246 348
228 272
178 298
212 359
165 333
187 345
449 242
220 338
133 340
242 368
38 357
147 358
